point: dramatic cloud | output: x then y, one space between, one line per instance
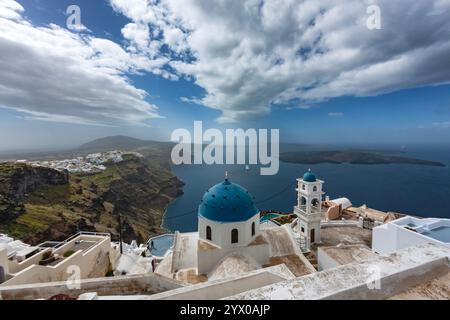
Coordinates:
250 55
53 74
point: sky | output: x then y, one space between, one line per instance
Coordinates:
143 68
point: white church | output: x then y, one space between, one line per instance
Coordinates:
230 239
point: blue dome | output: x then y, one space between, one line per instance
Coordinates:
309 177
227 202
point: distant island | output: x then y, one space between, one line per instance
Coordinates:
352 157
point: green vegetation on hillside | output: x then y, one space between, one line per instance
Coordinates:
139 189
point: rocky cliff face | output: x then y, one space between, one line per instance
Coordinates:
18 180
23 179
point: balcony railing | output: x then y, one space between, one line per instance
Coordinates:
57 244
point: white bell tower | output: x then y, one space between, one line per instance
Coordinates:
309 208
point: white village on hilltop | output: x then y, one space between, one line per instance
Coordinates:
92 163
324 249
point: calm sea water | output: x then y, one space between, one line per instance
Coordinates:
410 189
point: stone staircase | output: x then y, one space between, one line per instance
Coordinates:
301 241
312 259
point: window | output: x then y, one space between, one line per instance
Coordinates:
234 236
313 239
208 233
253 229
303 187
315 188
303 229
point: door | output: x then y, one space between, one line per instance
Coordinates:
313 239
2 275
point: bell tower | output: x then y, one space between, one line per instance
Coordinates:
309 208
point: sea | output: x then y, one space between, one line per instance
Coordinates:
410 189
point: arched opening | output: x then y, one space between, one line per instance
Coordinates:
208 233
315 203
303 201
315 188
313 236
234 236
253 229
303 187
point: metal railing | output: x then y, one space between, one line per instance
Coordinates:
57 244
159 236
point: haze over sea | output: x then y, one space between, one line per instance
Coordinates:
411 189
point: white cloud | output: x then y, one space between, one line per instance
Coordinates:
138 34
53 74
249 55
79 28
335 114
10 10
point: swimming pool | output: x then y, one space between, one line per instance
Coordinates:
440 233
161 244
269 216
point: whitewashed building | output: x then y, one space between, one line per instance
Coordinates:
409 231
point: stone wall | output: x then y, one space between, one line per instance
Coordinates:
377 278
123 285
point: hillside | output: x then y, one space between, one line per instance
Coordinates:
38 204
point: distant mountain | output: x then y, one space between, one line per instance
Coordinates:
123 143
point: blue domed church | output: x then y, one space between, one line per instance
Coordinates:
227 216
230 241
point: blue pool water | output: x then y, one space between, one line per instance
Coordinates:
440 233
268 217
161 244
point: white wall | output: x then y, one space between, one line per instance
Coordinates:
221 232
92 263
221 236
208 259
218 289
4 261
15 267
325 261
391 237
